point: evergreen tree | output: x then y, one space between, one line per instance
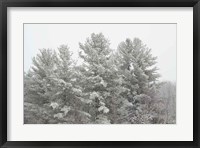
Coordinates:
104 87
139 76
50 81
96 75
38 87
38 78
68 95
135 57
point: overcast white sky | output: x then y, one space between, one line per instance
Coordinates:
161 38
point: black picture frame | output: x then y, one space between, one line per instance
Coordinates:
4 4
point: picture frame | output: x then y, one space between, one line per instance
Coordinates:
4 143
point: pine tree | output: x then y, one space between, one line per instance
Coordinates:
96 75
68 95
50 84
139 76
40 75
107 87
38 87
137 58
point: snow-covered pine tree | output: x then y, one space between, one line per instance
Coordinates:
37 82
137 58
68 94
102 81
105 88
139 75
99 78
50 84
96 74
39 76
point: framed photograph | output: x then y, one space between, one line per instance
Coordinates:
99 73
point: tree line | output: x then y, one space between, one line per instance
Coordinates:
107 87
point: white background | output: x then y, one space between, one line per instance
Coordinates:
181 131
